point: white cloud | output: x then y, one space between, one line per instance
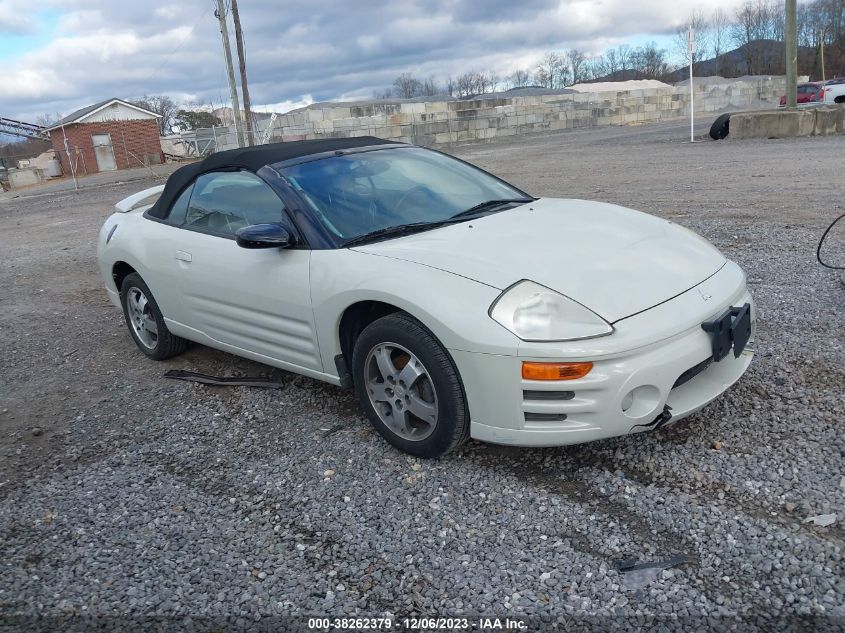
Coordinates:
321 48
15 22
284 106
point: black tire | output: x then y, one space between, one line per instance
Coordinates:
167 345
721 127
452 425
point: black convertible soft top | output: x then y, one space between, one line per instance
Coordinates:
252 159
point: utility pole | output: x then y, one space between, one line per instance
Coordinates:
230 72
791 56
821 51
239 41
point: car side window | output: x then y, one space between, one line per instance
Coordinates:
180 206
223 202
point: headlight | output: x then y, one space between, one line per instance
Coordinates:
536 313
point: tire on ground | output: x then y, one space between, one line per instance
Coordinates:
452 426
167 345
721 127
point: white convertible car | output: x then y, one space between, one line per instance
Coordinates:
453 303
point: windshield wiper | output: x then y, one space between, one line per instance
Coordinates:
393 231
489 205
416 227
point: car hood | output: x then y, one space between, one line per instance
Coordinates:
615 261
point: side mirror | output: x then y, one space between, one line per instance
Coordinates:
264 236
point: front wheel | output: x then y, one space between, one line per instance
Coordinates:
145 321
409 387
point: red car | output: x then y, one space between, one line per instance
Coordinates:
807 93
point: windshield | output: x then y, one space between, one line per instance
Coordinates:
359 193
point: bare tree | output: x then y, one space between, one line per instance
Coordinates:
406 86
701 26
429 88
520 79
649 62
466 84
45 120
160 104
576 61
776 21
625 55
754 22
596 67
611 62
493 80
551 71
719 31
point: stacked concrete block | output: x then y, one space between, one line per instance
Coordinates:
443 122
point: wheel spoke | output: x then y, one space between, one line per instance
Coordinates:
403 424
142 302
385 363
150 325
411 372
425 411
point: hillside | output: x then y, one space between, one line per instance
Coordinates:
761 57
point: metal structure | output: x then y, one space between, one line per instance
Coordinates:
200 142
20 128
268 131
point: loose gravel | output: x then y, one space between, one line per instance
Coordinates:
130 502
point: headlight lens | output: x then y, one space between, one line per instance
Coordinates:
536 313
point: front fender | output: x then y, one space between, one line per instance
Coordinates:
454 308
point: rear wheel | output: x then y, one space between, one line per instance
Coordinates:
409 387
145 321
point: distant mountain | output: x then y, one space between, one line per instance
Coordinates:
760 57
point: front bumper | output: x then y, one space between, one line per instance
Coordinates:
505 409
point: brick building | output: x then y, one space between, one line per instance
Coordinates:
109 135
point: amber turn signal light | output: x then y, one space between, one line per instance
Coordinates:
555 371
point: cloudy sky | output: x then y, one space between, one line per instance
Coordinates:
58 55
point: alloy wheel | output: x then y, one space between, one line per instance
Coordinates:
401 392
141 318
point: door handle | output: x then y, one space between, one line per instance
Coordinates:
183 256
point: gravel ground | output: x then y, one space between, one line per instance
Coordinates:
128 501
